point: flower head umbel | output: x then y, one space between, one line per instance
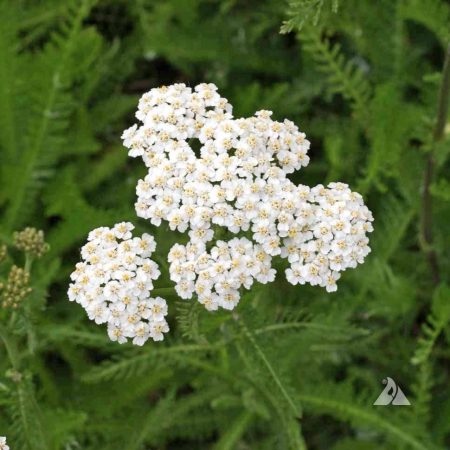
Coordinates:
217 276
328 235
114 282
238 180
241 167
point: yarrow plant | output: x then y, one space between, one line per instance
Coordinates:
208 171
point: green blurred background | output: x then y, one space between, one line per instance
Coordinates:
295 367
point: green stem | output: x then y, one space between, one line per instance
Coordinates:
230 439
30 412
427 206
28 262
295 439
10 346
270 368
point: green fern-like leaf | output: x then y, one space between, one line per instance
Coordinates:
160 419
435 323
188 320
27 425
301 12
138 363
389 144
340 401
433 14
343 75
49 110
261 377
8 72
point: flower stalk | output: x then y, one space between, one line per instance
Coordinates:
427 204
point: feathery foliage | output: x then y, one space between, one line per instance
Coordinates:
292 367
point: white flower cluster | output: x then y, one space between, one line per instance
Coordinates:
240 168
217 276
325 235
114 283
237 179
3 445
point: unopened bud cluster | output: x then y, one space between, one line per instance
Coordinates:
16 287
31 241
3 252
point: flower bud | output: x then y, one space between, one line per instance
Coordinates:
16 288
31 241
3 253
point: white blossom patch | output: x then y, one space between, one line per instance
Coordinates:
207 170
114 281
238 180
217 276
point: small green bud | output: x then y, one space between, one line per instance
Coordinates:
16 287
31 241
3 252
14 375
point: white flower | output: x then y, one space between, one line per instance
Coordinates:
158 307
185 288
209 301
142 333
123 230
114 284
157 328
3 445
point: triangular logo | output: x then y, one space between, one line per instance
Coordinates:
391 395
400 398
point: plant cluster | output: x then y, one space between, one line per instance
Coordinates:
239 182
291 366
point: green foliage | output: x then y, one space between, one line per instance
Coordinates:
47 118
433 14
291 367
343 76
436 322
302 11
341 402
